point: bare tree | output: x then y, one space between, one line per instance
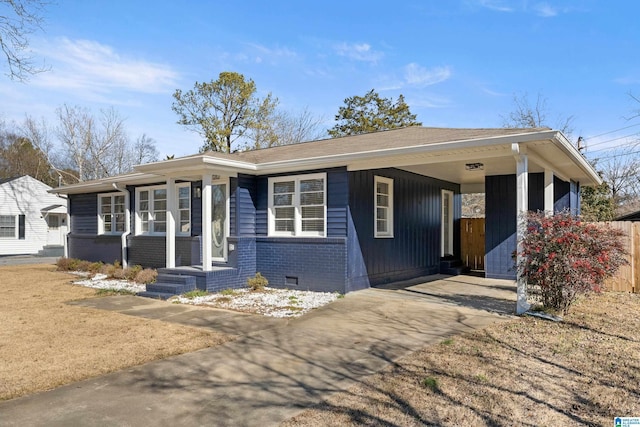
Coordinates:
620 169
18 20
144 150
284 128
528 115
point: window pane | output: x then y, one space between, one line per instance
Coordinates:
183 192
382 187
184 216
284 187
144 206
312 185
313 212
382 213
382 200
312 198
313 225
160 193
159 205
183 204
381 226
159 227
161 216
7 226
144 195
285 213
283 199
284 225
185 227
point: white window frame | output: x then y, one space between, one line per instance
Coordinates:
101 221
15 227
389 220
297 229
152 232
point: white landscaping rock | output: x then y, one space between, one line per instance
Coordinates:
270 302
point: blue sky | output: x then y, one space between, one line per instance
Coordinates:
458 63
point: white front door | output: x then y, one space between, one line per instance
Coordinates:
56 229
447 223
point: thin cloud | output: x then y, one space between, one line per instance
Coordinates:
271 55
495 5
92 66
358 52
545 10
417 75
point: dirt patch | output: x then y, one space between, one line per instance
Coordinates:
584 371
45 343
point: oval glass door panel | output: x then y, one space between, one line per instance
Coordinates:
218 220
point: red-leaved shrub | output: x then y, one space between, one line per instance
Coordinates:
563 257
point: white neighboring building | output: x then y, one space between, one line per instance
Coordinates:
32 221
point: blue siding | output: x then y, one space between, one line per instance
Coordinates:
83 209
575 198
536 192
196 210
561 195
500 226
244 197
415 248
501 218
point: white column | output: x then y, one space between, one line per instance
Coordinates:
548 192
522 195
171 223
205 241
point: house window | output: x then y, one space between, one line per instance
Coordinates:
8 227
297 205
383 199
184 209
112 213
151 212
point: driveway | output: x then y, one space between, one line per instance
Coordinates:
273 370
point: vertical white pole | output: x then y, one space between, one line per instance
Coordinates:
548 192
522 195
171 223
206 222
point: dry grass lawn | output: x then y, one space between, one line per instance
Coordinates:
530 372
45 343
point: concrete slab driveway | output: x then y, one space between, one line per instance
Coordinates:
268 375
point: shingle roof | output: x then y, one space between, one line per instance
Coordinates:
396 138
13 178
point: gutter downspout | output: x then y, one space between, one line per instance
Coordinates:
65 241
127 224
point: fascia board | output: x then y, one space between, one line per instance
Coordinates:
570 150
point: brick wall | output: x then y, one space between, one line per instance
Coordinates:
316 264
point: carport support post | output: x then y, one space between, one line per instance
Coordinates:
548 192
171 223
522 195
206 222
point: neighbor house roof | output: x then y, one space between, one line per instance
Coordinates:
444 150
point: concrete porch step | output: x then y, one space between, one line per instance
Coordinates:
168 285
156 295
